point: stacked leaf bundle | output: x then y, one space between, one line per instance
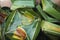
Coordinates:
23 19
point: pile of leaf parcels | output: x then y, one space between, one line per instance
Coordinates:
25 19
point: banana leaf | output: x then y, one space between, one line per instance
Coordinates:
22 4
50 28
44 15
24 19
48 7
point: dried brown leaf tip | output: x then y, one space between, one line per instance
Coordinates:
2 17
5 3
20 34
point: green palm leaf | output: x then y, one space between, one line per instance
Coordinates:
48 7
50 28
22 4
44 15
